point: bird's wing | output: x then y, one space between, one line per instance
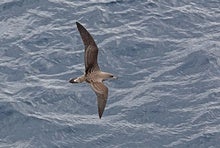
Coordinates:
102 94
91 49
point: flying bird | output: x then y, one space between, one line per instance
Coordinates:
93 75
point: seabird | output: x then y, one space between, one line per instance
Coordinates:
93 75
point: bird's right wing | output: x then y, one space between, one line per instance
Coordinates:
91 49
90 59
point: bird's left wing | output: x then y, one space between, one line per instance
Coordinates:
102 94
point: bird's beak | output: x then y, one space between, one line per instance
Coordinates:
72 80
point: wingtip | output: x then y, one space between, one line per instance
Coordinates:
100 113
100 116
77 23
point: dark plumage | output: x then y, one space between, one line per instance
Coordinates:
93 75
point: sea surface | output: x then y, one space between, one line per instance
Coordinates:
166 55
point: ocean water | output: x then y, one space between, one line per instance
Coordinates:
166 55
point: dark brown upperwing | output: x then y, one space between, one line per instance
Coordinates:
91 49
102 94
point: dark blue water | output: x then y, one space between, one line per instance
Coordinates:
165 53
